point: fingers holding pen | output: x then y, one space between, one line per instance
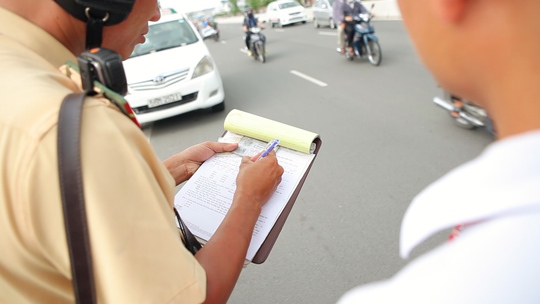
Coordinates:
261 166
259 179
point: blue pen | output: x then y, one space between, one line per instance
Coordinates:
271 145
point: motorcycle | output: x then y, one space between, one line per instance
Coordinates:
365 42
466 114
257 44
210 30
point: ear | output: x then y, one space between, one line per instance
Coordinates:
450 10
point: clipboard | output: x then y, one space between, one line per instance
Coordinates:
203 214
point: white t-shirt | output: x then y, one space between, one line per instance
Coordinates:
494 259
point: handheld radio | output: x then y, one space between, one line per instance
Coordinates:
105 66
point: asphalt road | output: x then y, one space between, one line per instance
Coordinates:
383 142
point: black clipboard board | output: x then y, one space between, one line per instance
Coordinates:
264 251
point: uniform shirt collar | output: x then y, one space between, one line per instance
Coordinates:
504 179
33 37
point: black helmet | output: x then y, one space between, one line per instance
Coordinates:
97 13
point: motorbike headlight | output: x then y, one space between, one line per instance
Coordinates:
205 66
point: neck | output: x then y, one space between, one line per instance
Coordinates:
514 87
65 28
515 109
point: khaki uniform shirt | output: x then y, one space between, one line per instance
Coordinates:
137 252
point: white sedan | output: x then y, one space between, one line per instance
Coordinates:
172 72
284 12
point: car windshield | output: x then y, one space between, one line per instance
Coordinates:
288 4
167 35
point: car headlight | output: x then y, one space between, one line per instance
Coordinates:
205 66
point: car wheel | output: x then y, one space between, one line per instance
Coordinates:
219 107
304 22
332 23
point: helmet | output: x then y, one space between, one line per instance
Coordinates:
97 13
249 13
110 11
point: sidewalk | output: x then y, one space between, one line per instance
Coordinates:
383 10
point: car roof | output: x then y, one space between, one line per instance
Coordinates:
170 17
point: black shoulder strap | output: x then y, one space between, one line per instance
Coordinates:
71 187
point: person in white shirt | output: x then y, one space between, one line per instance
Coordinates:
470 48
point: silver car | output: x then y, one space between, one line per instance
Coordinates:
322 13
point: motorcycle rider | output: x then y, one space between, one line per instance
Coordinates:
351 9
249 22
206 25
213 23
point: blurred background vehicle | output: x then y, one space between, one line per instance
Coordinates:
322 13
465 113
365 42
285 12
210 29
257 44
172 72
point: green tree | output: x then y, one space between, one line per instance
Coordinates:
235 8
254 4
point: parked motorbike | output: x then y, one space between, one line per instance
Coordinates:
257 44
466 114
365 42
210 31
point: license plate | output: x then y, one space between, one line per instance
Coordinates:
155 102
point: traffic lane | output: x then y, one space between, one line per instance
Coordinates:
368 198
383 141
370 101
